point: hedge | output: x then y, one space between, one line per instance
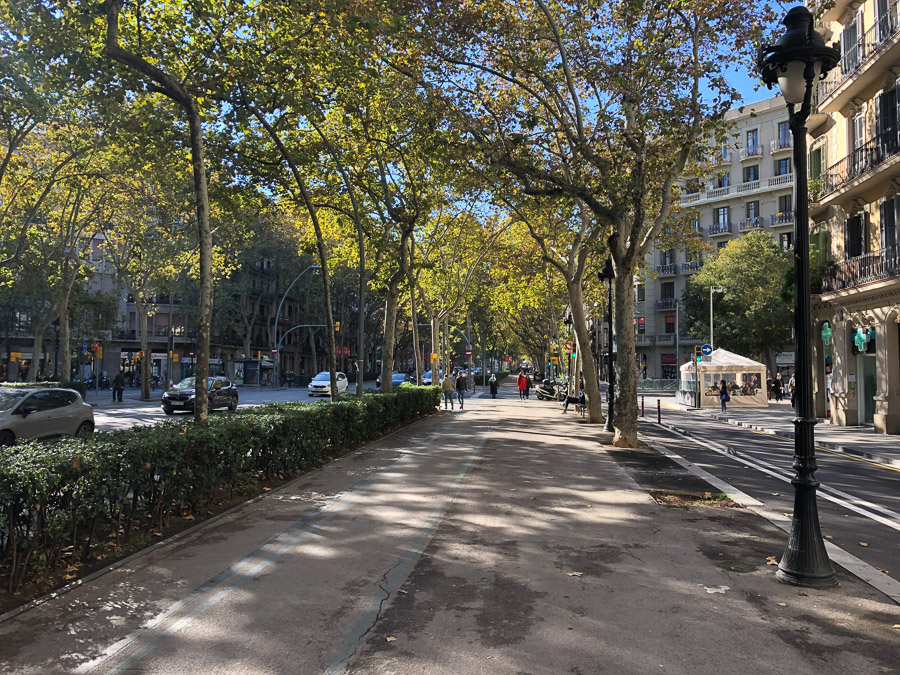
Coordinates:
64 502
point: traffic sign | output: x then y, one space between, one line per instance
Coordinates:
274 350
468 352
706 350
569 345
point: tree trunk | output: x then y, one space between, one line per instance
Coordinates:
37 349
140 308
361 313
390 327
64 365
313 352
625 419
201 354
583 338
417 355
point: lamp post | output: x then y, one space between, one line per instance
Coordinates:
712 289
796 62
568 322
609 274
276 342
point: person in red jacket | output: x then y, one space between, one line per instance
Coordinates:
522 384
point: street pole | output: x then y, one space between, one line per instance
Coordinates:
276 341
712 289
609 274
796 63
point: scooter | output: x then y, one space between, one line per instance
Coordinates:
550 390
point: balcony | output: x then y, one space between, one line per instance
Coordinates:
719 228
749 186
642 339
863 269
667 270
784 218
856 71
785 179
666 303
753 152
780 145
692 266
689 340
665 339
747 224
853 169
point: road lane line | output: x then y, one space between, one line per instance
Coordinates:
399 572
255 561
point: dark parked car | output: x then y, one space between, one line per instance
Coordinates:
396 380
43 413
222 394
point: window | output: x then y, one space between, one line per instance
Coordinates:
786 239
721 215
670 324
815 164
721 245
752 210
641 293
851 46
667 290
886 121
666 257
751 173
854 236
783 166
753 142
784 134
693 186
641 325
722 180
784 203
889 222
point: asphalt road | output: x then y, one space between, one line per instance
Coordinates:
858 503
109 416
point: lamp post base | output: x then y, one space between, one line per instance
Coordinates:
805 561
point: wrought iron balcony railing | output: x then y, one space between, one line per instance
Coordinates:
781 218
752 151
666 303
719 228
746 224
868 267
667 269
781 143
860 161
691 266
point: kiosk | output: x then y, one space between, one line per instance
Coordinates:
745 379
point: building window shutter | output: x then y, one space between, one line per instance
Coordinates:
883 218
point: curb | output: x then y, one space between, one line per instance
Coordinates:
862 570
789 436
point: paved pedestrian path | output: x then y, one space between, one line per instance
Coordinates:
860 441
505 538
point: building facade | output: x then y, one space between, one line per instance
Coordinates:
854 180
751 189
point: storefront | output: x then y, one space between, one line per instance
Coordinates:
669 366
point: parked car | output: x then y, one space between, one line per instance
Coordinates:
43 413
222 394
396 379
320 385
428 377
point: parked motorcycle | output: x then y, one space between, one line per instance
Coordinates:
552 390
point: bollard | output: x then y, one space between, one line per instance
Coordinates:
607 394
658 412
642 406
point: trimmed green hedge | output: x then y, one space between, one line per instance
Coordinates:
62 502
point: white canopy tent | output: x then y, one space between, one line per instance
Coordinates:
745 379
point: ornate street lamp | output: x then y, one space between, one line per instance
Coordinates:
609 274
796 62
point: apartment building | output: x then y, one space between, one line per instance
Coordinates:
855 175
750 189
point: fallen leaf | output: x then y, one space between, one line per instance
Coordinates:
863 544
188 518
267 489
71 568
70 576
896 626
771 560
883 571
802 593
828 536
789 515
111 544
157 534
724 541
574 574
403 591
391 638
782 604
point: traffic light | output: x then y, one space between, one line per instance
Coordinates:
337 326
698 354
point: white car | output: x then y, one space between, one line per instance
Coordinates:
43 413
321 384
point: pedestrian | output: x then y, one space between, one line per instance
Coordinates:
792 385
118 386
527 387
448 386
723 394
778 388
462 386
520 384
579 400
494 385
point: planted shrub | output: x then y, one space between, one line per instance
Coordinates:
61 502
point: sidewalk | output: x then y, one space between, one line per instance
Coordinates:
777 420
506 538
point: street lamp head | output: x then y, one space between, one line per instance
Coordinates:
798 59
608 273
